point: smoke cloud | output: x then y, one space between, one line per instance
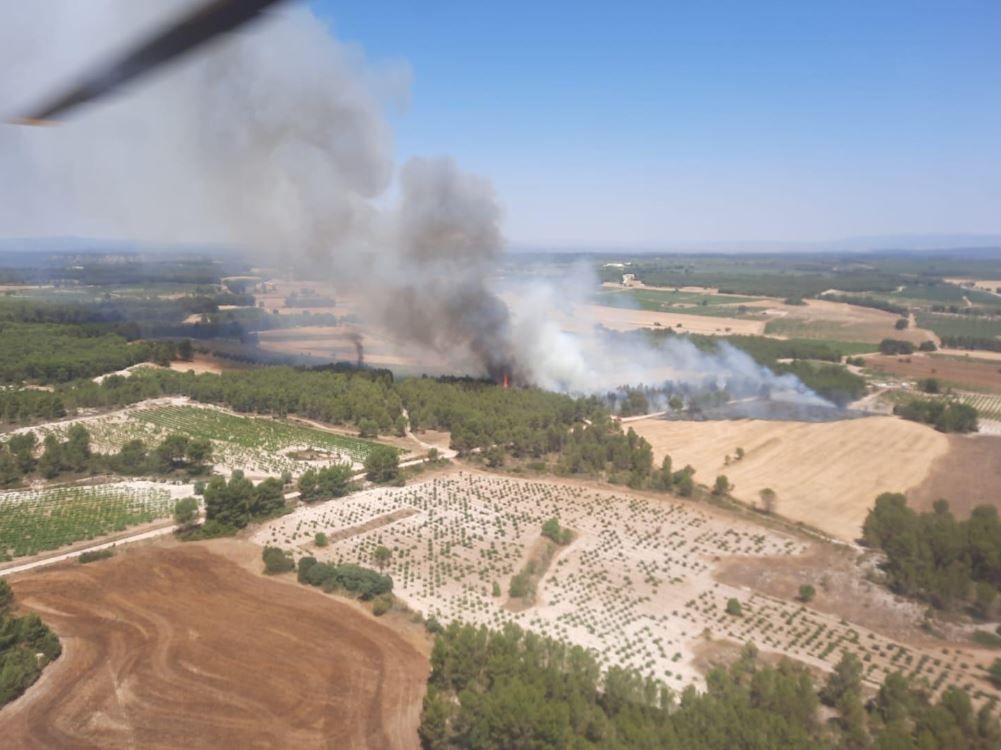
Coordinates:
275 140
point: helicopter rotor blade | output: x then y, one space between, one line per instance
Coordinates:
204 23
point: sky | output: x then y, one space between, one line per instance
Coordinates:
643 124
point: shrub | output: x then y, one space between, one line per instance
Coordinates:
95 555
733 607
185 511
519 587
806 592
320 539
304 565
382 604
277 560
895 346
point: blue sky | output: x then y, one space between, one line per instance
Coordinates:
649 123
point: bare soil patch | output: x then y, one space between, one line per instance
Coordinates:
968 475
960 372
841 588
169 647
826 475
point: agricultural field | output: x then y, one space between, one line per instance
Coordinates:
182 647
34 521
692 303
987 406
257 445
943 324
824 319
635 586
825 474
957 372
585 317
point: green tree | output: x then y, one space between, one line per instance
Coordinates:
132 458
382 556
185 511
170 453
807 592
368 428
6 598
382 464
733 607
277 560
768 500
199 453
722 486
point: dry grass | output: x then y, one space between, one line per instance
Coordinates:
825 474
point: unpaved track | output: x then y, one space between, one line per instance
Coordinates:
181 648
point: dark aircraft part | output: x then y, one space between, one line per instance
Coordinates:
210 20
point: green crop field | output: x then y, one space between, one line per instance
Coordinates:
251 432
960 325
40 520
690 303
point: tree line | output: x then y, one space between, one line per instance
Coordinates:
944 416
933 556
499 690
21 456
27 645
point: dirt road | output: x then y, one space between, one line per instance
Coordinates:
179 647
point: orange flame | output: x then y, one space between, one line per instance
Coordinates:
505 382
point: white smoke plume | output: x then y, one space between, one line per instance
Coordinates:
275 140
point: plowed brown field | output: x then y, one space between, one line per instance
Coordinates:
179 647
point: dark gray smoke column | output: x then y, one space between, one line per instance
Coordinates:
447 244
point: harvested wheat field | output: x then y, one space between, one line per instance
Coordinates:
825 474
967 476
180 647
621 319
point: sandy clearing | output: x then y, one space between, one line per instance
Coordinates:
179 647
825 474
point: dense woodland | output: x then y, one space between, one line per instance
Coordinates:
512 689
26 646
933 556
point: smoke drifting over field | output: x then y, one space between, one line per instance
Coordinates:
275 140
